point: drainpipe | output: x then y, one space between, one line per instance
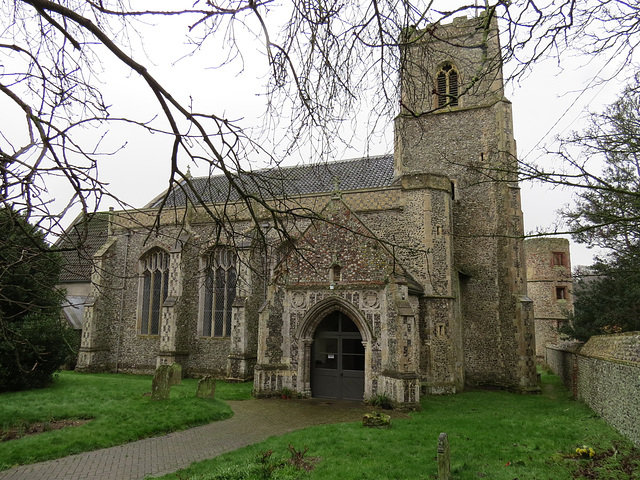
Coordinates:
265 268
124 286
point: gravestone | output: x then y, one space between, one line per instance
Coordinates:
206 387
161 385
444 459
175 374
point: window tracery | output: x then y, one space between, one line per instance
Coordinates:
154 285
219 292
447 86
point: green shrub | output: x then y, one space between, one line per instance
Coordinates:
34 342
32 350
382 401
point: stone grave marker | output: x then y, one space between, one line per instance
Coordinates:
206 387
161 385
175 374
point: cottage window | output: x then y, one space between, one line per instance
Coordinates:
561 293
447 86
154 285
219 292
559 259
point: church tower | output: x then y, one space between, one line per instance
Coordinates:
455 122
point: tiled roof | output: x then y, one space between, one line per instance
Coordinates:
346 175
79 243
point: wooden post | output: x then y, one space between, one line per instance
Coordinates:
444 460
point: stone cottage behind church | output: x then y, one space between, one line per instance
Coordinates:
550 286
408 279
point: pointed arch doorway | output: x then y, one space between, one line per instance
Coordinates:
338 358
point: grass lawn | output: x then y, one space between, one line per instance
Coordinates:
493 435
117 407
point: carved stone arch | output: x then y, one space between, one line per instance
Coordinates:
149 250
216 243
305 334
447 63
206 253
320 310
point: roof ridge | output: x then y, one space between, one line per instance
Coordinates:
302 165
352 174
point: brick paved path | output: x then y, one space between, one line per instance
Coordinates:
253 422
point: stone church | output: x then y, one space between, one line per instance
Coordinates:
404 275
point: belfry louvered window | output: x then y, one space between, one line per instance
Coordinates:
447 85
155 285
219 291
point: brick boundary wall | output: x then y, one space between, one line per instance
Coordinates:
605 374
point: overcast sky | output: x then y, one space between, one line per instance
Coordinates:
549 102
553 100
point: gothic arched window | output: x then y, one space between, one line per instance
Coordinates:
219 292
447 85
154 285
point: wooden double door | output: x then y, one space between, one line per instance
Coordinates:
337 369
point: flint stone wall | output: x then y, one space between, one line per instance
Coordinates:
605 374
